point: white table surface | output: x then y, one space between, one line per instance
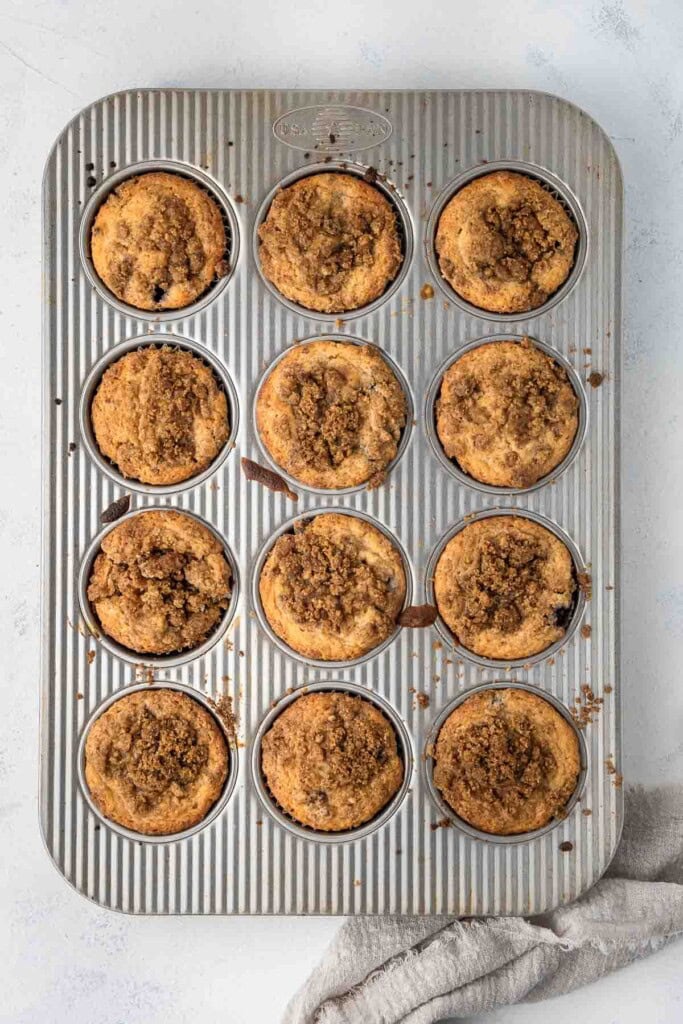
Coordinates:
63 959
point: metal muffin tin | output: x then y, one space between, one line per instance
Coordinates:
241 146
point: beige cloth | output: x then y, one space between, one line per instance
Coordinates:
419 970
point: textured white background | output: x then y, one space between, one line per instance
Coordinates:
63 960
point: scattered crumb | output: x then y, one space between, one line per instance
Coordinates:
91 655
617 777
79 696
586 812
595 379
586 707
426 291
566 846
585 582
608 688
586 631
441 823
422 700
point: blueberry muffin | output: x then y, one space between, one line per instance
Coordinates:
159 415
158 241
331 414
160 584
507 762
331 761
506 413
333 589
504 243
330 243
155 762
505 586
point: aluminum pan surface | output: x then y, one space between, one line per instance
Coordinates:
243 862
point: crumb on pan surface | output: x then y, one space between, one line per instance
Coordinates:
330 243
333 589
506 761
507 413
331 761
331 414
505 586
155 762
504 243
158 241
160 415
160 584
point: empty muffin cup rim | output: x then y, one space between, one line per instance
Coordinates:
288 527
553 184
216 808
451 465
445 809
382 817
93 380
577 610
126 654
336 339
405 231
210 185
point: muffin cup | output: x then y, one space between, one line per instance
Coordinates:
403 221
576 611
209 186
381 818
551 183
405 433
92 382
451 465
288 527
160 661
445 809
214 811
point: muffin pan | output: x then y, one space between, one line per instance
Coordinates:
246 856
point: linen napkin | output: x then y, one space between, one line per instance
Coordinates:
419 970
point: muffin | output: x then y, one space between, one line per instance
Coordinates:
155 762
160 583
506 761
504 243
333 589
330 243
331 761
331 414
160 415
158 241
505 587
507 413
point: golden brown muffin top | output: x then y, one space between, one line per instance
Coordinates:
160 415
333 588
330 242
504 243
155 762
507 413
331 414
331 761
505 586
161 582
507 761
158 241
